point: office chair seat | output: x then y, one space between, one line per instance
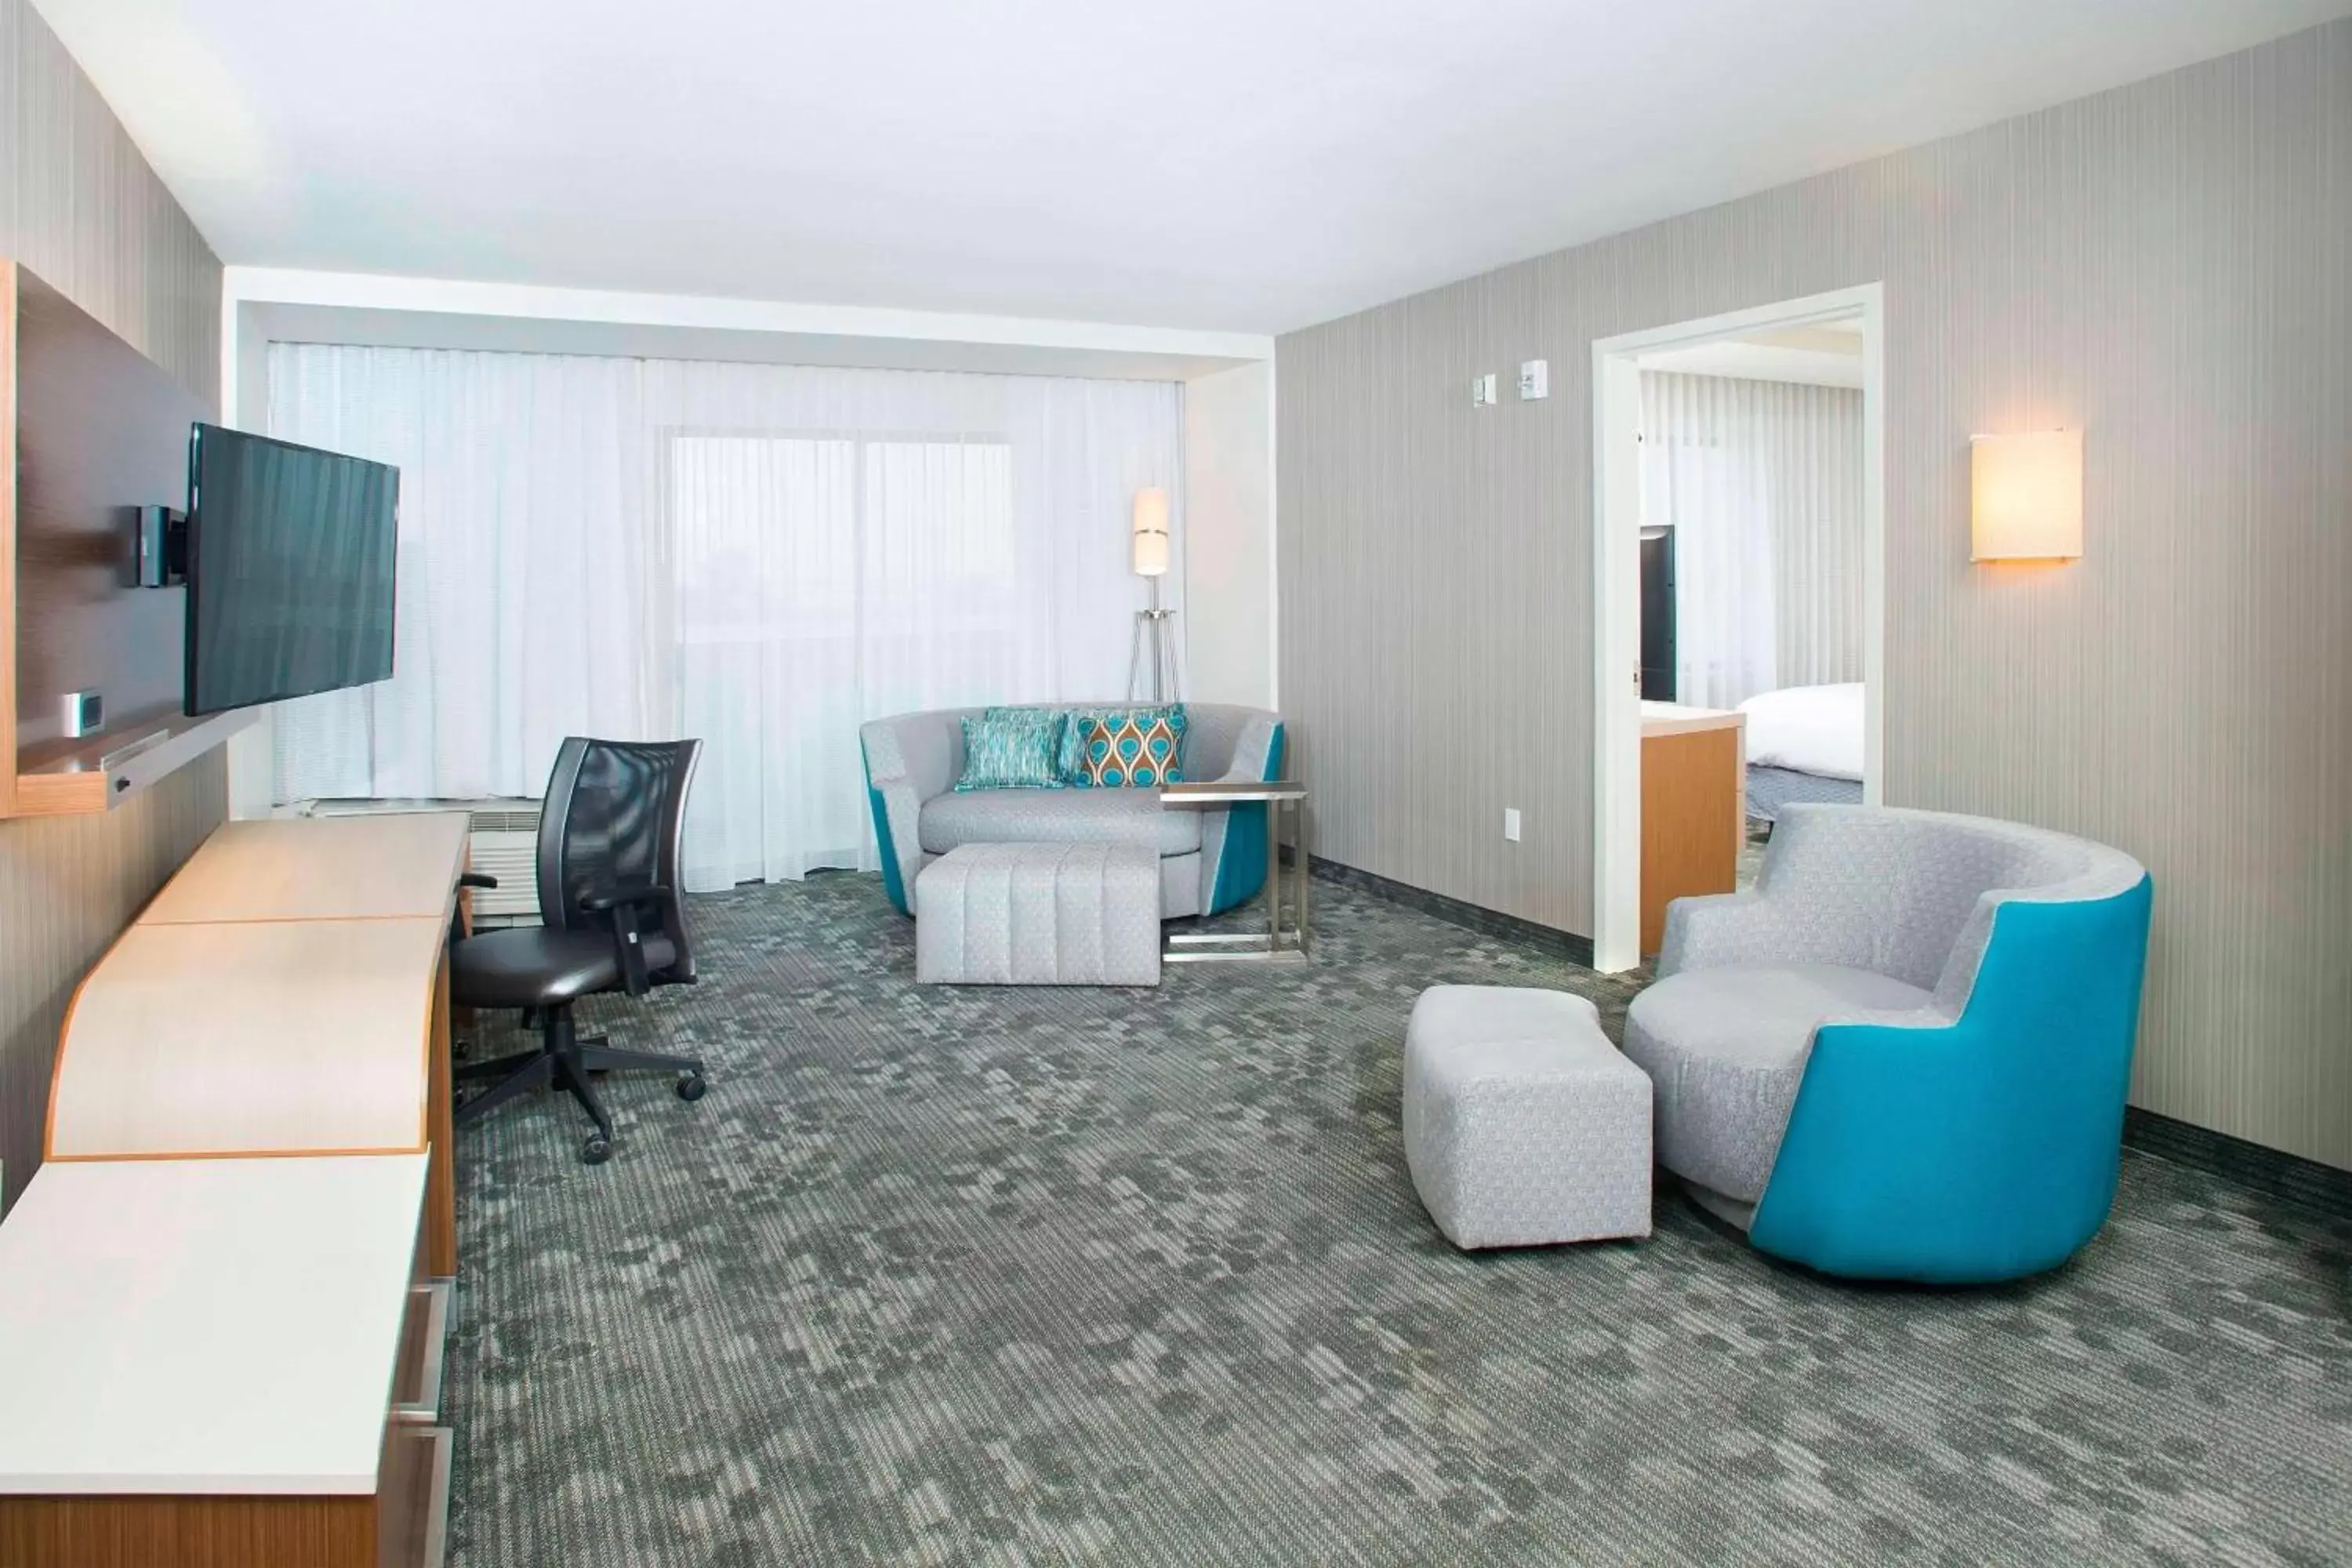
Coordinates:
534 966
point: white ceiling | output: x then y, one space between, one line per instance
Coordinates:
1242 165
278 322
1826 354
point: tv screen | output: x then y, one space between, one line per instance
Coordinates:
289 565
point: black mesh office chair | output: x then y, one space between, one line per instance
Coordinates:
610 920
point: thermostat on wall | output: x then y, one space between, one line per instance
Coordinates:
1535 379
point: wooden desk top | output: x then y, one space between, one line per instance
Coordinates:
1677 719
392 865
268 1036
203 1326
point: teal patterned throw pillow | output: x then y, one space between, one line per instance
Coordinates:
1124 748
1013 748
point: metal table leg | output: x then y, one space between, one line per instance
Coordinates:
1273 876
1301 866
1278 942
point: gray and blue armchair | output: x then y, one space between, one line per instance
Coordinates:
1209 861
1904 1054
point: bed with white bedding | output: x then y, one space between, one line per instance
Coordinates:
1805 743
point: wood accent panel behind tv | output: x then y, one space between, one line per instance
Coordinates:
101 430
80 206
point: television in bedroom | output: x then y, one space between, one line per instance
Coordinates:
291 553
1658 656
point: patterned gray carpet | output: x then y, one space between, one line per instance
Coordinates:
1136 1276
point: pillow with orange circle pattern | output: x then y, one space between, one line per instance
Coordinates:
1126 748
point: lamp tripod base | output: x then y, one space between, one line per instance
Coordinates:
1155 631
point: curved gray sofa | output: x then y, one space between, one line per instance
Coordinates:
1209 861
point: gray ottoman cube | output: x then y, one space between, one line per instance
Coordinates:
1039 914
1523 1125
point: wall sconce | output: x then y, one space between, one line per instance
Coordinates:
2026 496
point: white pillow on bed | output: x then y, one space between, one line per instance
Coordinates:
1809 728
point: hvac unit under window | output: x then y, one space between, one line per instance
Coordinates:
502 842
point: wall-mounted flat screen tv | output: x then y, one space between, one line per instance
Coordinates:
290 560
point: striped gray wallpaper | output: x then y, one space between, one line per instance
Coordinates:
80 206
2169 267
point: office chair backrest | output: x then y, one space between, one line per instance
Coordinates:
613 813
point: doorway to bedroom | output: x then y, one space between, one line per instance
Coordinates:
1739 506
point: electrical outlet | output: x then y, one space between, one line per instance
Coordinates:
1511 823
1535 379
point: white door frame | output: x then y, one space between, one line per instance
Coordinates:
1617 585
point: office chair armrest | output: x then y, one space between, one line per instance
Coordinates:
614 898
623 905
458 922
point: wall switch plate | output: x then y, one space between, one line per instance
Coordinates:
1535 379
1511 823
80 713
1481 390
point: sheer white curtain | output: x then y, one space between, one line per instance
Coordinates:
919 539
788 551
521 570
1762 483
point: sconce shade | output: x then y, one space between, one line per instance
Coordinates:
2026 496
1151 532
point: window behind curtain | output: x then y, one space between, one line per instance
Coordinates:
760 556
1761 482
823 579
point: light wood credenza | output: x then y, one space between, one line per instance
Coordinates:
1694 807
229 1276
286 994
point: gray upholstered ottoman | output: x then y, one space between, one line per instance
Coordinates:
1523 1125
1039 914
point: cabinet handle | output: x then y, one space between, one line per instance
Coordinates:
425 1407
436 1552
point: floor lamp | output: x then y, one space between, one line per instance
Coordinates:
1154 627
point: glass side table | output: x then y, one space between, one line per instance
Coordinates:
1283 941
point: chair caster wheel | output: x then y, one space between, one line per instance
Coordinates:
691 1086
595 1149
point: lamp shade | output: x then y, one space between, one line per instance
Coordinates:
2025 497
1151 532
